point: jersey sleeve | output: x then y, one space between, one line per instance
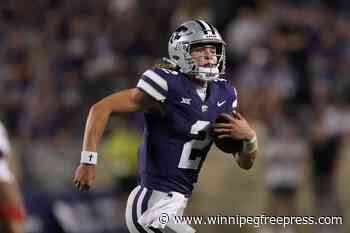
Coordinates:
155 84
233 99
5 147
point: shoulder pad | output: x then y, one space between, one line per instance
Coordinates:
166 72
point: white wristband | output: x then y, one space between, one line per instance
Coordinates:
88 157
250 146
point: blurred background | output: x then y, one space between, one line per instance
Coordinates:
290 61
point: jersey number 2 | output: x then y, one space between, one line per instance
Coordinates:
186 161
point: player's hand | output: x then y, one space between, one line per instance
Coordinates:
236 127
84 177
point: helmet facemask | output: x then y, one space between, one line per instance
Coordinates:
209 72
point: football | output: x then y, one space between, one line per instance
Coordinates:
227 145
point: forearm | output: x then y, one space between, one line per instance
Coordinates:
121 102
246 157
95 126
246 161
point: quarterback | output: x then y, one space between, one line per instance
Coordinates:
181 99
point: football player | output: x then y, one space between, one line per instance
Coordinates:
12 213
181 100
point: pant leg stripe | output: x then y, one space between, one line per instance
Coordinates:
134 212
144 207
128 212
145 200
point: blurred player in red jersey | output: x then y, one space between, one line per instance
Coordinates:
12 214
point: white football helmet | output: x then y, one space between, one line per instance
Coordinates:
192 33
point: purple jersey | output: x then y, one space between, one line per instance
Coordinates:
176 141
